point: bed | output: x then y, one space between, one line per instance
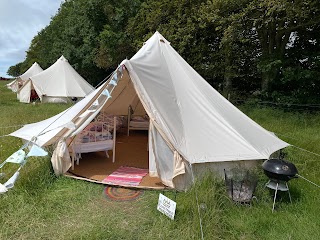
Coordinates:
97 136
137 122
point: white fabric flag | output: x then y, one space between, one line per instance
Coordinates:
10 183
37 152
3 188
17 157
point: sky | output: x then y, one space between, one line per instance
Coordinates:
20 21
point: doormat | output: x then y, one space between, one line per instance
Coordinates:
126 176
121 194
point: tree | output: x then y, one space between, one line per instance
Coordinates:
275 21
114 44
15 70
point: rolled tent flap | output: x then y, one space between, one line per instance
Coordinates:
61 158
179 167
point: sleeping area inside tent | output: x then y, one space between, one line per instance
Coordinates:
103 152
137 122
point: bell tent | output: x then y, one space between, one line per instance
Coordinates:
192 128
58 83
19 81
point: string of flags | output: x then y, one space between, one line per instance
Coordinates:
20 157
113 81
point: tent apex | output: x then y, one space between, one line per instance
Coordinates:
160 37
62 58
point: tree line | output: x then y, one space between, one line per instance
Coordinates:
268 49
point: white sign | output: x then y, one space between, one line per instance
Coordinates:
166 206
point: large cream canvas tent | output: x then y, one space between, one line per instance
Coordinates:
192 127
19 81
58 83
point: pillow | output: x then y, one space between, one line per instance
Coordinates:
138 119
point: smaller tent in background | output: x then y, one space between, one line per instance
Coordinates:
19 81
59 83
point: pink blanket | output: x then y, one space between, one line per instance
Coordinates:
126 176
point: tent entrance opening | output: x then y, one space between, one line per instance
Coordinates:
131 151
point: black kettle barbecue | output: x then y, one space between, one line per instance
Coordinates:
279 169
279 172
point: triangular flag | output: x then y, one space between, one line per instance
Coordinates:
113 82
106 93
17 157
10 183
37 152
95 103
120 68
3 188
115 77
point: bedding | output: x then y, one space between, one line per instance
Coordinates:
137 122
97 136
109 120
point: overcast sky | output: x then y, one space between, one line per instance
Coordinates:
20 21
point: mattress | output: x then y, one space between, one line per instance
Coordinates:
144 124
93 146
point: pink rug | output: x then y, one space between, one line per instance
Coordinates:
126 176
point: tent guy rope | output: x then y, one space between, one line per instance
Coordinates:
305 150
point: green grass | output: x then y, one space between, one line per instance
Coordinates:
42 206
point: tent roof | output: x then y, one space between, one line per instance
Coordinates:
199 123
33 70
61 80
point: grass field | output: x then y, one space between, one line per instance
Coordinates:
42 206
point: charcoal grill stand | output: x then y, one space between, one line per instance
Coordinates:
278 185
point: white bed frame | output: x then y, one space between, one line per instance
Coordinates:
79 147
132 125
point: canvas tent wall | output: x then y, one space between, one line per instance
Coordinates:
192 127
19 81
58 83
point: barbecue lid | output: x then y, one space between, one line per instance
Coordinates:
279 166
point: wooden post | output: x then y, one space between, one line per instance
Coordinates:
114 139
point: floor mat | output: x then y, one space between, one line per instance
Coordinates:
126 176
121 194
